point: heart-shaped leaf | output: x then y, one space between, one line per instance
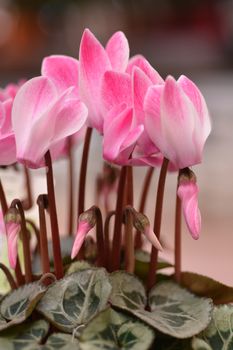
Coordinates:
76 299
205 286
174 310
17 305
113 330
219 334
77 266
61 341
24 337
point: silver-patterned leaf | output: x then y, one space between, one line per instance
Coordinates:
24 337
75 299
17 305
113 330
77 266
219 334
62 342
174 310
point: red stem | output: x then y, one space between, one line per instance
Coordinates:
157 223
3 200
53 218
42 202
116 244
9 276
178 240
27 203
100 238
106 237
71 186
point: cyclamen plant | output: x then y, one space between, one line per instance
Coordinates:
108 293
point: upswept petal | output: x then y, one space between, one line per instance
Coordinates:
140 62
115 90
117 49
178 117
141 83
152 108
188 193
83 228
62 70
115 133
93 63
194 94
7 138
12 230
5 117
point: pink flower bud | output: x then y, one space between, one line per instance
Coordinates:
13 227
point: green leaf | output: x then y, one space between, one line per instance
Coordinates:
113 330
16 306
77 266
62 342
24 337
75 299
200 344
142 263
205 286
174 310
219 334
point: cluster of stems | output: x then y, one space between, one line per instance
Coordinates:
109 251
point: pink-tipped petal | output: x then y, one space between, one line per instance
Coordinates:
140 62
115 133
12 230
178 117
83 228
117 49
152 108
188 194
115 90
192 91
93 63
151 236
62 70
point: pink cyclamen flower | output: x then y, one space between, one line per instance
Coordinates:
94 61
10 91
63 72
177 121
122 96
42 116
188 194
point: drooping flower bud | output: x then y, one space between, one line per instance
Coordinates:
87 221
142 224
13 227
188 194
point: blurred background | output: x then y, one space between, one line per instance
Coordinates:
192 37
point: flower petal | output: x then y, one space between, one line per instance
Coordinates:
140 62
151 236
117 49
115 90
83 228
12 230
188 193
93 62
62 70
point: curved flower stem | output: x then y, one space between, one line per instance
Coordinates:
129 246
101 261
82 181
16 203
27 202
71 187
178 240
106 237
83 171
18 273
53 218
146 186
116 243
42 202
157 223
9 276
3 200
129 242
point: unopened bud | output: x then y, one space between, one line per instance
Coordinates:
13 227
